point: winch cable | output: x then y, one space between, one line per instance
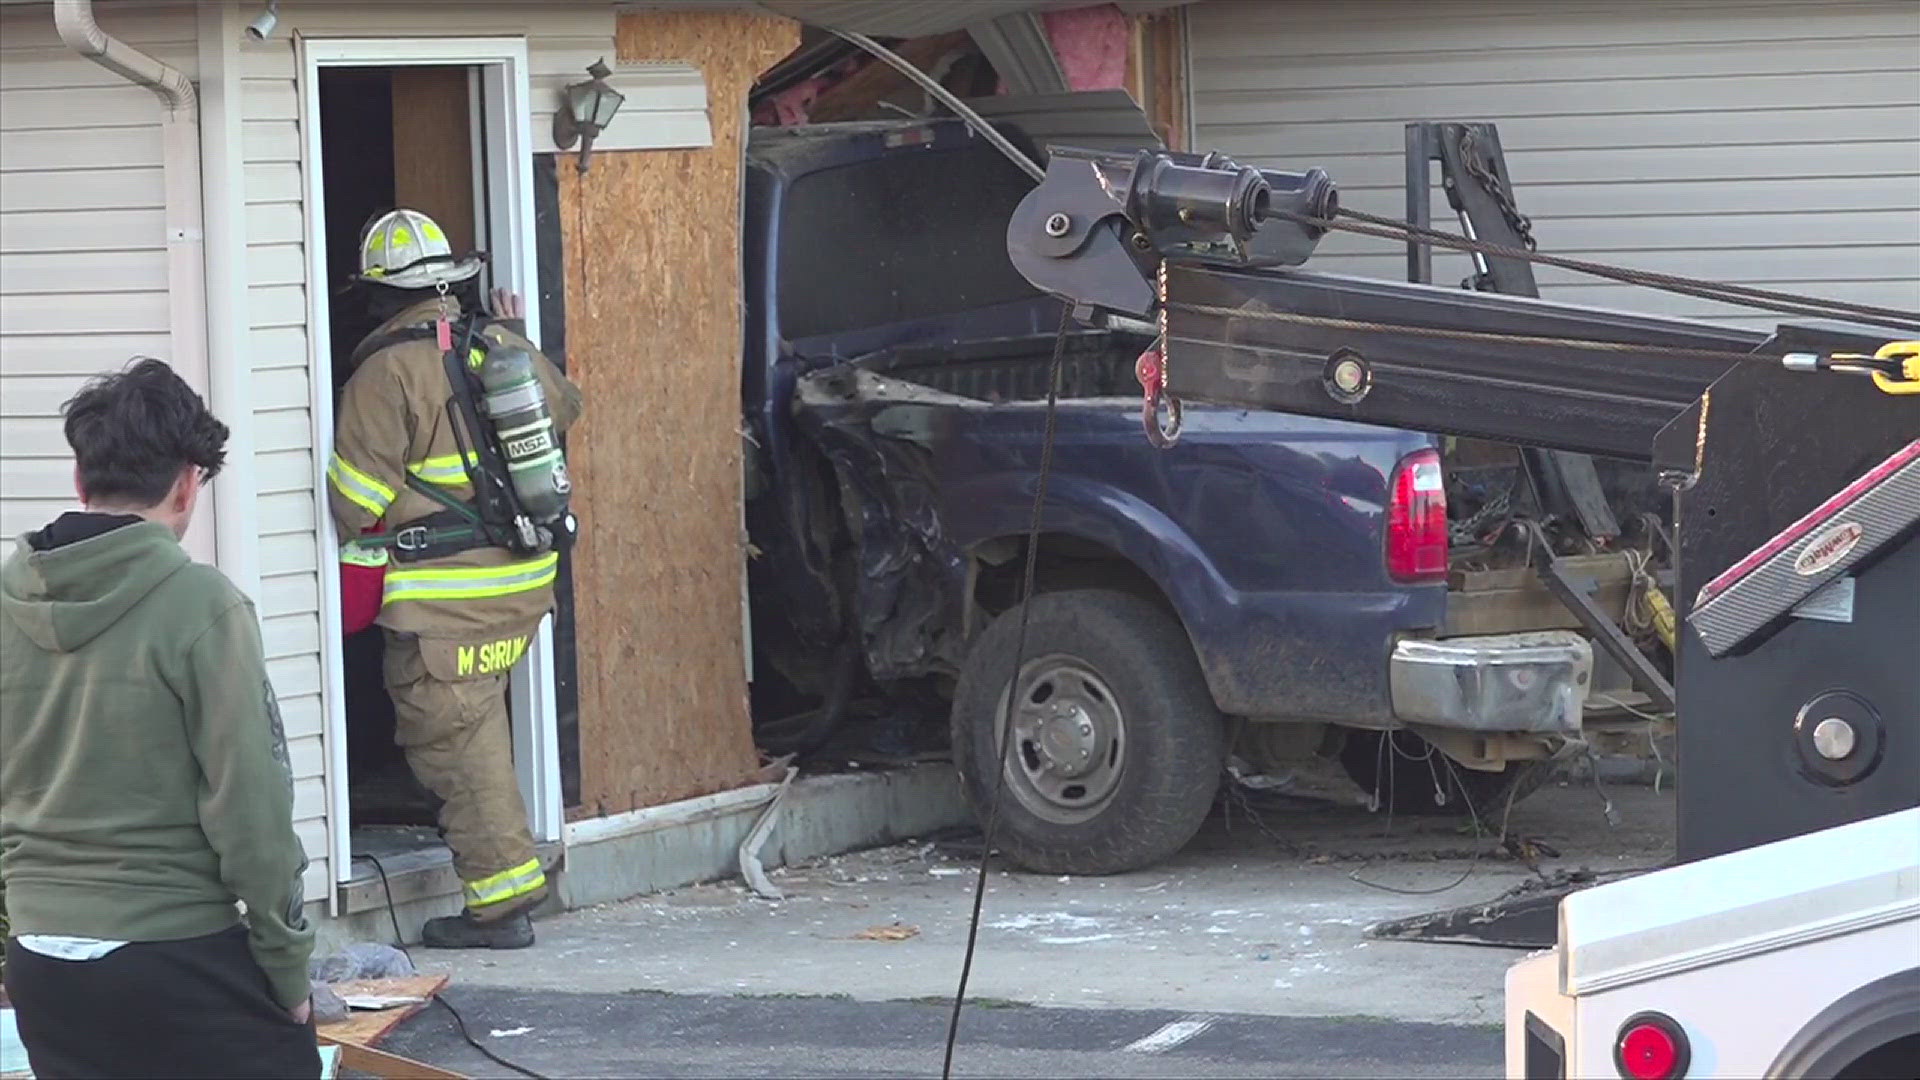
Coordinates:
1005 727
1355 221
932 88
1730 356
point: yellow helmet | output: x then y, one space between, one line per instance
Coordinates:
407 250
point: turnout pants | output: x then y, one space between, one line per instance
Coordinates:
197 1007
458 741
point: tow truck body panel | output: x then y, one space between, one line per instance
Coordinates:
1743 950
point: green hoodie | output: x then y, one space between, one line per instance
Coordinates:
144 783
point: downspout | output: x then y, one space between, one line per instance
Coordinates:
186 258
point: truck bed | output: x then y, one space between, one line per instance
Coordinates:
1262 531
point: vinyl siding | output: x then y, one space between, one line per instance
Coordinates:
83 262
83 286
1762 143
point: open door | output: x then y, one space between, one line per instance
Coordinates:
442 126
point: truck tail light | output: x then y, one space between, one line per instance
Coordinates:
1651 1046
1417 520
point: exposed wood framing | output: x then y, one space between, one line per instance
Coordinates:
1159 81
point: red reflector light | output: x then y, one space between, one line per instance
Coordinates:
1651 1047
1417 520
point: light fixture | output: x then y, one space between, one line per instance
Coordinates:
262 25
586 108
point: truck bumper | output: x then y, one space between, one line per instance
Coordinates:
1534 682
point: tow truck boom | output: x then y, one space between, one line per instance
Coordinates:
1797 494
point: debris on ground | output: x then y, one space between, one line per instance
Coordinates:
890 932
327 1006
361 960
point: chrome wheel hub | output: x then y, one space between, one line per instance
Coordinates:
1069 740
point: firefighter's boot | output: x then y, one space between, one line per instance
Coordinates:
463 931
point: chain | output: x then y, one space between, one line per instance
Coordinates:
1502 196
1469 531
1151 370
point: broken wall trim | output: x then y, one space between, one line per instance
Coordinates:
668 815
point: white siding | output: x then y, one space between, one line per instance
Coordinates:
1749 141
83 262
666 103
83 287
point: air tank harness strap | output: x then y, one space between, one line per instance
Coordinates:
447 532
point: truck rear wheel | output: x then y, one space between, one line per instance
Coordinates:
1117 747
1407 774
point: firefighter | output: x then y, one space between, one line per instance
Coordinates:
460 602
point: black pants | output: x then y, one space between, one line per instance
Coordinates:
199 1007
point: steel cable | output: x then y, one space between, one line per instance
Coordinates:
1739 295
1005 725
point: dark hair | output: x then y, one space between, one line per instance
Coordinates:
132 431
383 302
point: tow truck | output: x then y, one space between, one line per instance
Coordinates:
1785 938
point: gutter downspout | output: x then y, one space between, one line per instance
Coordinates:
186 257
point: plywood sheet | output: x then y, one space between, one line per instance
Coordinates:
367 1028
433 148
653 339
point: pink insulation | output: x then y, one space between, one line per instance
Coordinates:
1091 44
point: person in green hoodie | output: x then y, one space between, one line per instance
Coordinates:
144 781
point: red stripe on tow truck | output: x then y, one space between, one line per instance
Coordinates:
1799 529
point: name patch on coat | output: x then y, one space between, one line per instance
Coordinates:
490 658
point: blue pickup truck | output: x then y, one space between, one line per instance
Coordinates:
1275 587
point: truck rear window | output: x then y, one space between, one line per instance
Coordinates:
904 237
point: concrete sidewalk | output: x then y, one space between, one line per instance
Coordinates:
1235 924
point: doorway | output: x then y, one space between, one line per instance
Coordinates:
439 126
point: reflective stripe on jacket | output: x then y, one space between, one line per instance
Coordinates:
394 422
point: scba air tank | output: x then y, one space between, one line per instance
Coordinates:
517 408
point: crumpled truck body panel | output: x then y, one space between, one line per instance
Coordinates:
1264 532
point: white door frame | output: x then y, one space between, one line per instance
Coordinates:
502 81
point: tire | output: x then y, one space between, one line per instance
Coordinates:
1403 774
1117 709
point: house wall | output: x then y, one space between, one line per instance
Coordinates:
1746 141
83 264
83 246
83 287
665 106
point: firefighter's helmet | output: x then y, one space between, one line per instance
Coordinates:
406 249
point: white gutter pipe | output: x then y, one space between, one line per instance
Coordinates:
186 254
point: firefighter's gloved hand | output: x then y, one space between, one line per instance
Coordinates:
355 553
508 305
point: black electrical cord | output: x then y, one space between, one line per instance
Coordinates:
459 1021
1013 680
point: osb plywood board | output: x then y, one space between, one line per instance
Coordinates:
366 1027
654 338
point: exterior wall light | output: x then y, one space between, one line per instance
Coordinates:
586 108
